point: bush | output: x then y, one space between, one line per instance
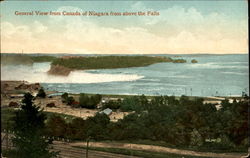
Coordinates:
41 93
66 99
89 102
114 105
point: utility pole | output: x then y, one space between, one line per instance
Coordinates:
87 148
7 136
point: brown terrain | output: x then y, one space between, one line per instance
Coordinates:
12 95
59 70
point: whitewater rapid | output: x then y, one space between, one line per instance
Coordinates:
38 73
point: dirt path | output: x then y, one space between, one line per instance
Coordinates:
154 148
67 151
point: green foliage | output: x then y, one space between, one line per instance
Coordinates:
109 62
97 125
56 126
24 59
29 128
65 96
196 138
89 102
7 115
41 93
179 122
43 58
135 103
129 104
68 100
114 105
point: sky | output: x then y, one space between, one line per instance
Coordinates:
183 27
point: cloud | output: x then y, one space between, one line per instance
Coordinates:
177 30
39 27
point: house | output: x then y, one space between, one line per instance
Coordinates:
107 111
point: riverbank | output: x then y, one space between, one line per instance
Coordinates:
12 94
11 97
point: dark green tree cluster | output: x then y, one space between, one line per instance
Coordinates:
41 93
69 100
134 103
179 122
89 102
109 62
29 131
114 105
79 129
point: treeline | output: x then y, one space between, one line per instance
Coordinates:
18 59
43 58
109 62
85 101
183 122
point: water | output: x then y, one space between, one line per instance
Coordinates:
220 75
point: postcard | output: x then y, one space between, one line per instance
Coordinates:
121 79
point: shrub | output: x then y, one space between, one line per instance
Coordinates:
41 93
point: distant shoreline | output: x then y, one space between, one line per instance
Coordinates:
123 95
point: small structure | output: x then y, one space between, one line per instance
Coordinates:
107 111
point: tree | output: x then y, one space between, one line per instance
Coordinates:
89 102
56 126
195 138
64 97
41 93
29 130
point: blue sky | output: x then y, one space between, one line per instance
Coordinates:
182 27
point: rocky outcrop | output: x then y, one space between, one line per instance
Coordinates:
194 61
59 70
24 86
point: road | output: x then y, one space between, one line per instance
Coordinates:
154 148
69 150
